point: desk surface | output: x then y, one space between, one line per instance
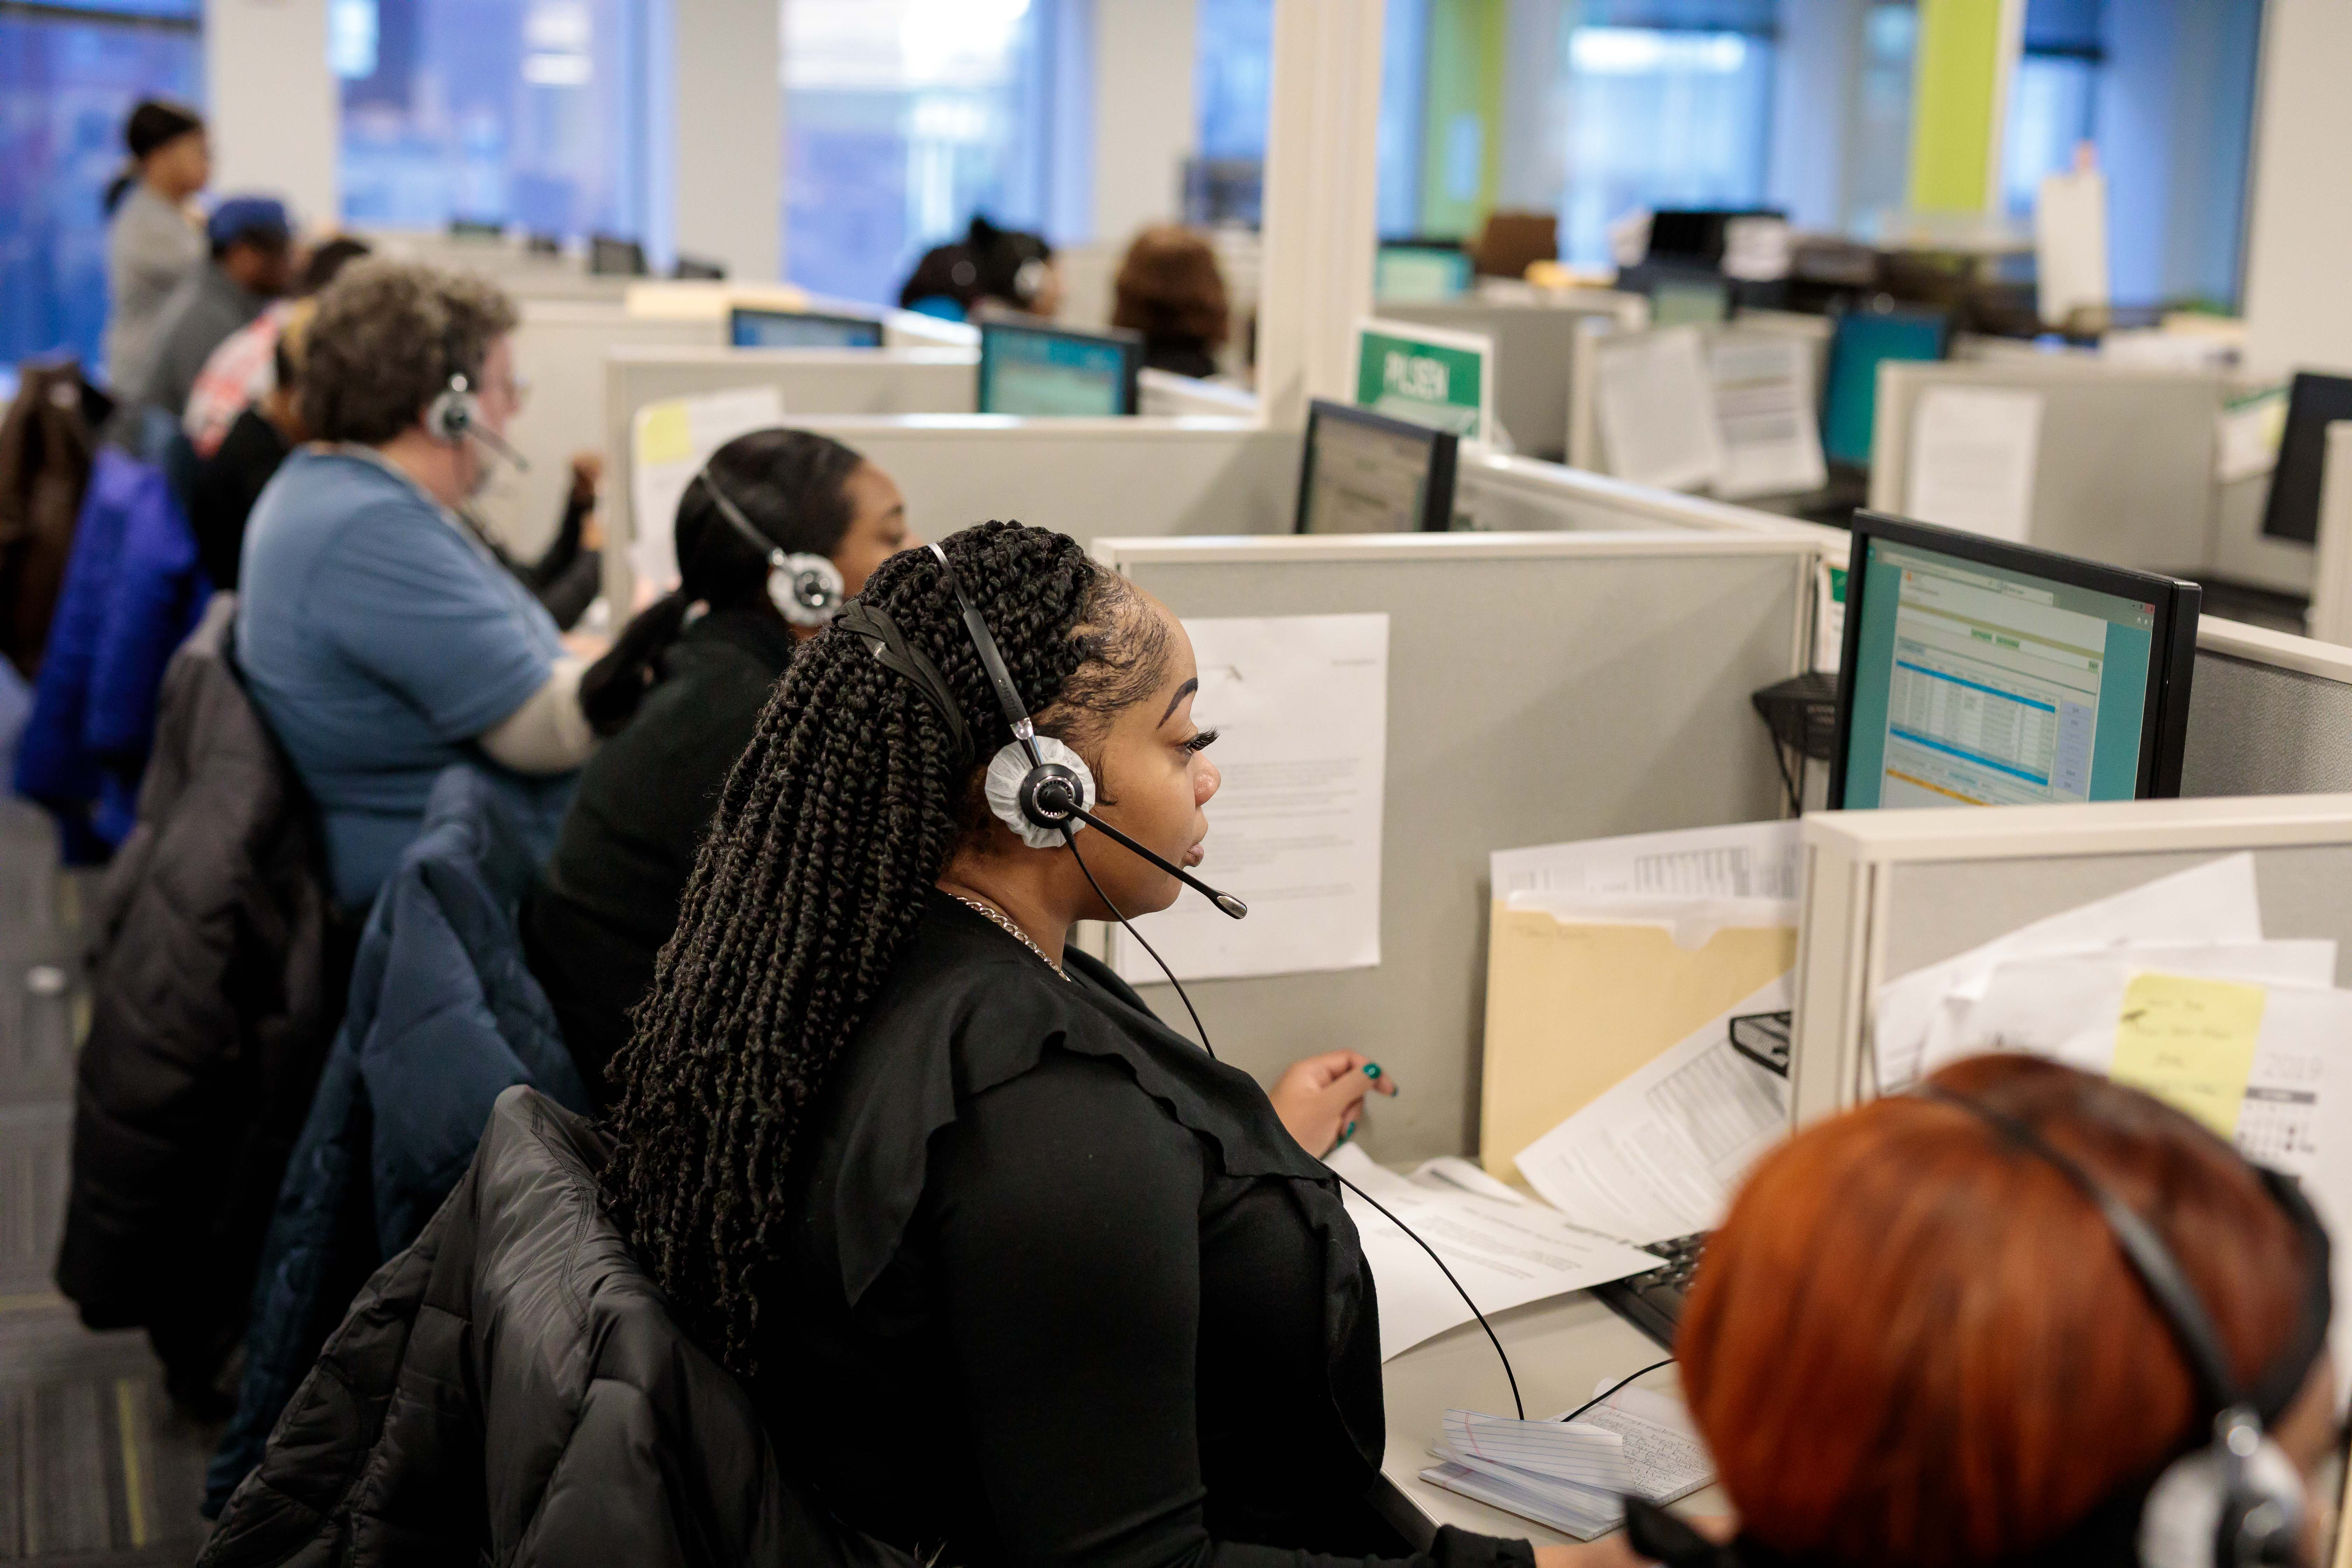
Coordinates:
1561 1350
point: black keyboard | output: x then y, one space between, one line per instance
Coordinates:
1653 1302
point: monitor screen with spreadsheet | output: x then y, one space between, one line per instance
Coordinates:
1979 673
1039 370
749 328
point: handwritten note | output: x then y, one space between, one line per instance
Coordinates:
2191 1042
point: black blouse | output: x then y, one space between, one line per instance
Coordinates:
1061 1288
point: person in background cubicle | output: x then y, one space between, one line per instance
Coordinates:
153 239
377 632
1014 1272
252 263
1169 290
240 372
989 269
679 694
1916 1339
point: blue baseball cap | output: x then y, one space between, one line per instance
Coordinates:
248 217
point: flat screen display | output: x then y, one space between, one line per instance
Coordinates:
1039 371
751 329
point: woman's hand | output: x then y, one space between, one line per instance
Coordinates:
1319 1098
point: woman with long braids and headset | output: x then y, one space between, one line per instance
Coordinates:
778 529
1014 1272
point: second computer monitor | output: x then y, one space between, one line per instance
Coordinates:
2315 402
755 329
1982 673
1365 473
1861 342
1409 274
1042 370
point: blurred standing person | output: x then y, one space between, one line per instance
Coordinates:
252 263
1170 290
152 239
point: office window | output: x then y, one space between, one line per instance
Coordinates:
528 112
902 119
2052 98
67 84
1661 117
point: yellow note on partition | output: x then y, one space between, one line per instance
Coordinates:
665 433
2190 1043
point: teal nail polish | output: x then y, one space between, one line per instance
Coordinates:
1371 1069
1346 1132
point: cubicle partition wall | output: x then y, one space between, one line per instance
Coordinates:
1507 494
1585 448
1536 347
2123 469
1541 688
1161 392
1887 892
2268 714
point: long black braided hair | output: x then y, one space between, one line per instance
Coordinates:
829 834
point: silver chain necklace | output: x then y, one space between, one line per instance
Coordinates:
996 918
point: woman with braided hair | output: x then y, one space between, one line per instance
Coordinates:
1015 1273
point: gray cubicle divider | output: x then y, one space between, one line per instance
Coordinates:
2123 471
811 382
2268 714
1504 494
1584 445
1535 344
1541 688
1887 892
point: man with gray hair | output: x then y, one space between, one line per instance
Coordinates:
378 632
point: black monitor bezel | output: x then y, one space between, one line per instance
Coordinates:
1128 343
629 253
2294 442
736 312
2164 724
1444 461
1942 321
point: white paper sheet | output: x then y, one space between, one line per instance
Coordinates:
2215 903
1659 1457
1743 860
2031 1004
669 443
1973 451
2070 245
1765 413
1300 705
1662 1450
1656 405
2247 432
1505 1253
1658 1155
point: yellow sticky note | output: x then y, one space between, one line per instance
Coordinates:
2190 1043
665 433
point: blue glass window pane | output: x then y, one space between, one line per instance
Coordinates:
65 89
902 119
173 10
528 112
2052 106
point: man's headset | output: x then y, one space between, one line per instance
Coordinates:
807 589
1044 791
2235 1501
456 416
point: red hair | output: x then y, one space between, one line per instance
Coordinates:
1913 1341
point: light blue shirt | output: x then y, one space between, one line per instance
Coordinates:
378 639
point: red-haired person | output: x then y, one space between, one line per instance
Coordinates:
1923 1337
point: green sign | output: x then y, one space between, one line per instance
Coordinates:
1430 377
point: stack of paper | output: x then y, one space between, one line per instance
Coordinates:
1573 1476
1506 1250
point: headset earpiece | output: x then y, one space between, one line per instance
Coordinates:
1015 778
2217 1507
807 589
452 415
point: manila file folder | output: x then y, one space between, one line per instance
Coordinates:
1576 1002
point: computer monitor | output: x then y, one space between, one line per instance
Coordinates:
1042 370
1365 473
1859 343
1977 672
1689 301
2294 509
747 328
610 257
1416 274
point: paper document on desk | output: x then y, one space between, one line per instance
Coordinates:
669 443
1571 1475
1506 1254
1657 1156
2208 904
1764 410
1657 410
1301 707
1743 860
1973 459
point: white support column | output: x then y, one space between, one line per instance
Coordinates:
2298 313
272 107
1322 169
1143 118
726 134
2331 587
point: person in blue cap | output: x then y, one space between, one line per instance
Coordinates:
252 263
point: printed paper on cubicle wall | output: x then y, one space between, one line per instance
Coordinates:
669 443
1428 376
1300 706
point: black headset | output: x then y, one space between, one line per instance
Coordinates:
806 589
455 415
